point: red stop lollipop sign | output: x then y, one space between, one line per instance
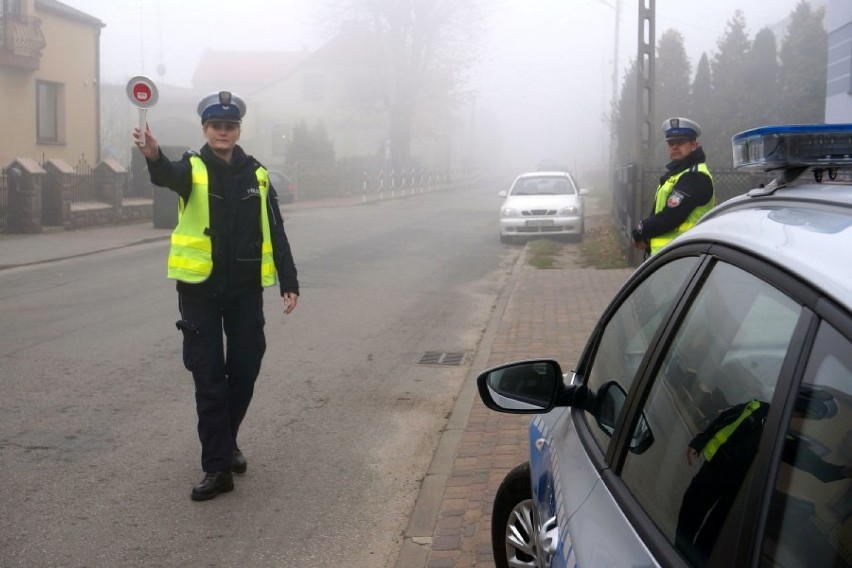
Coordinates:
142 92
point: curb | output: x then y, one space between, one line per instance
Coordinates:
418 534
88 253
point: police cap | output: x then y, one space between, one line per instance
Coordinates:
678 128
224 106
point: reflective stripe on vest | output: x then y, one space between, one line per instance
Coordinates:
662 197
191 254
722 435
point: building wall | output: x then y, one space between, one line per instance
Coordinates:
838 101
70 58
17 115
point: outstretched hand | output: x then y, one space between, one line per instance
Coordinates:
150 150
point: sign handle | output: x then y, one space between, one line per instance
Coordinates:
143 124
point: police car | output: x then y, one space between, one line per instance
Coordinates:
708 421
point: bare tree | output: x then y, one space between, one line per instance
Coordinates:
424 51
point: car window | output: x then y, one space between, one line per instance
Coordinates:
628 333
550 185
707 407
810 515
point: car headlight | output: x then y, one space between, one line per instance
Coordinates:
570 210
509 212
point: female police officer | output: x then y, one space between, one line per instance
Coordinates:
228 244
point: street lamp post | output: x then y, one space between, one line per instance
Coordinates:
614 99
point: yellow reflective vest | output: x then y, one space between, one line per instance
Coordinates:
722 435
662 197
191 254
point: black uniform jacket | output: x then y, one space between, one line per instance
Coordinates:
734 457
234 222
693 188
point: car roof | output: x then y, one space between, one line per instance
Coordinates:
805 229
553 173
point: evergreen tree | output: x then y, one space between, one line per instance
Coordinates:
730 80
804 55
700 107
625 117
673 71
743 85
310 144
321 145
761 98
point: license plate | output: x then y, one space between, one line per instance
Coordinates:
539 222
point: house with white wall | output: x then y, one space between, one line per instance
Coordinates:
838 92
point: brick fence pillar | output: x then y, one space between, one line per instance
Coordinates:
25 180
56 193
110 180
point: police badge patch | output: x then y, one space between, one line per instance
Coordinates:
675 198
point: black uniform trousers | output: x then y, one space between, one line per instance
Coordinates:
703 511
224 370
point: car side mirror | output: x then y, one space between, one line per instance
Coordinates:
610 401
522 387
503 194
584 192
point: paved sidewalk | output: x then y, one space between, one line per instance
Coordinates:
540 313
55 243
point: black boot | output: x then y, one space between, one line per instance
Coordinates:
240 464
213 483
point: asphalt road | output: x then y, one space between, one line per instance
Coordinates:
97 421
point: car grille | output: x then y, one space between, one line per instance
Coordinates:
539 212
551 229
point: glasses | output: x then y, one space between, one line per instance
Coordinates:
221 125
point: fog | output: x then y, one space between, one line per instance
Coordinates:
543 83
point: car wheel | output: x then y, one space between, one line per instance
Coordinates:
578 236
513 530
505 239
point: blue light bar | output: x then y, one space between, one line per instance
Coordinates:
790 146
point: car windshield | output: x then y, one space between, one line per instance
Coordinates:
543 186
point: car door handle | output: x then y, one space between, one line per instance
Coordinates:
548 537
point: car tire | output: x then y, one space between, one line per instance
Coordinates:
505 239
514 536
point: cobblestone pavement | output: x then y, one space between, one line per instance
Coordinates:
542 313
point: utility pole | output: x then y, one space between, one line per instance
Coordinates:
644 114
645 99
616 6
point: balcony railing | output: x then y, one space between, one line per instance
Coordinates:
21 41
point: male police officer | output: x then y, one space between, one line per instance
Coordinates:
685 192
228 244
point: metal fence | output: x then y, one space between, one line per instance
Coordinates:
315 180
82 191
83 183
726 184
634 190
4 200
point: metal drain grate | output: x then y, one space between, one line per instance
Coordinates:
443 358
